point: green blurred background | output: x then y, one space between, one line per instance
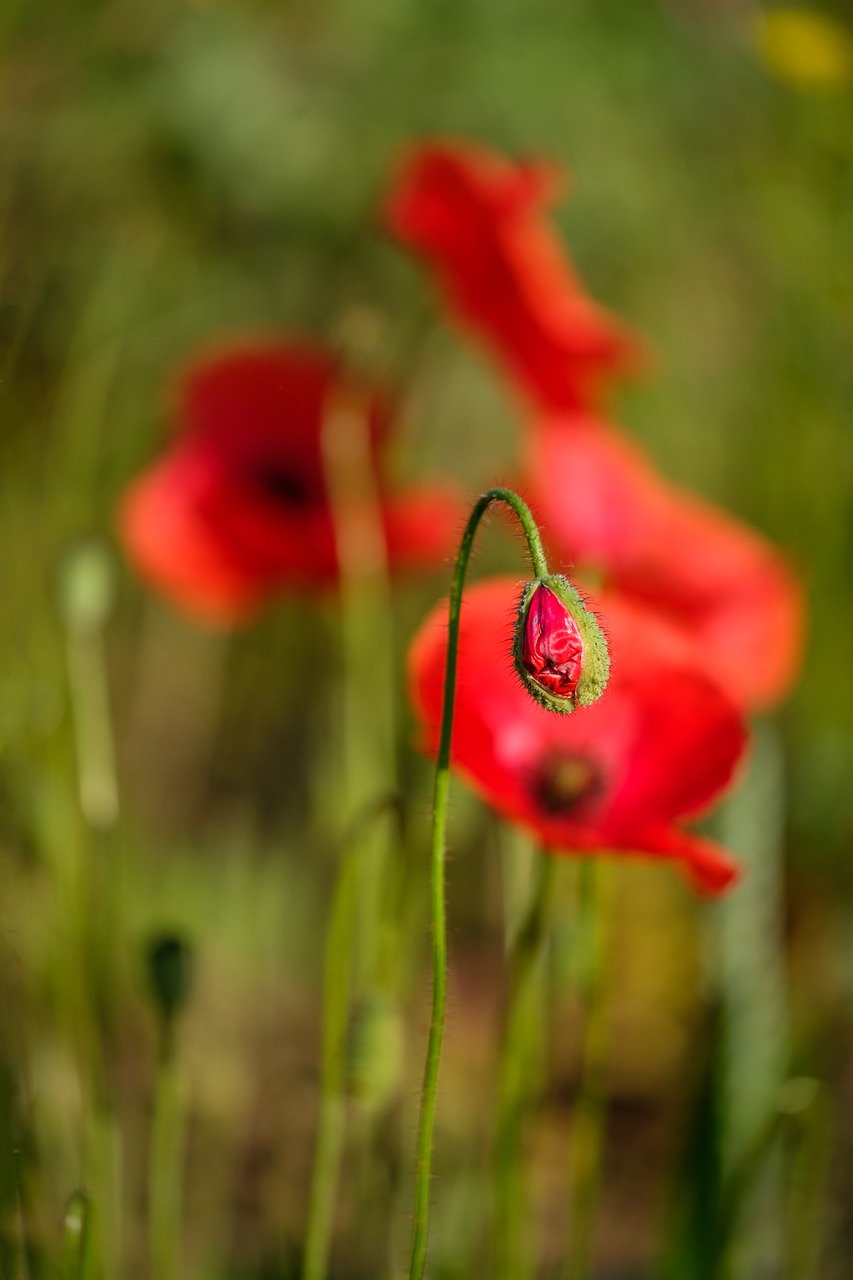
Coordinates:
173 171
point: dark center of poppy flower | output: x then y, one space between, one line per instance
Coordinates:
566 785
284 487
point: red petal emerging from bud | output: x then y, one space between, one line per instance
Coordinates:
552 646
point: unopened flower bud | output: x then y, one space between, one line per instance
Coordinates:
559 648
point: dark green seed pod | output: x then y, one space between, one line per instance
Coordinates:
169 964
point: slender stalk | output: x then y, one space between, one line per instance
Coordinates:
166 1167
808 1178
85 598
441 789
330 1132
517 1065
340 945
352 947
590 1110
20 1234
96 772
755 1046
795 1137
367 631
78 1260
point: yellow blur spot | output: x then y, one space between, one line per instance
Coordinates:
805 48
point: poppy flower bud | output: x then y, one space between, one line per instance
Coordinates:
559 648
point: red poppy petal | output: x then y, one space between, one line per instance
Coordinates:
488 694
602 504
423 525
739 596
710 868
686 734
284 544
476 218
177 549
260 401
236 393
688 741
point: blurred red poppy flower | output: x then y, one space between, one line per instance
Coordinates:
604 506
476 219
237 509
659 745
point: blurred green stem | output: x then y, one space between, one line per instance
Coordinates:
795 1136
340 945
593 918
517 1067
753 989
353 948
420 1229
77 1258
808 1177
368 635
96 772
85 596
330 1132
166 1164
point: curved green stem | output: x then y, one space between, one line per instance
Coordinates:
439 829
516 1067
